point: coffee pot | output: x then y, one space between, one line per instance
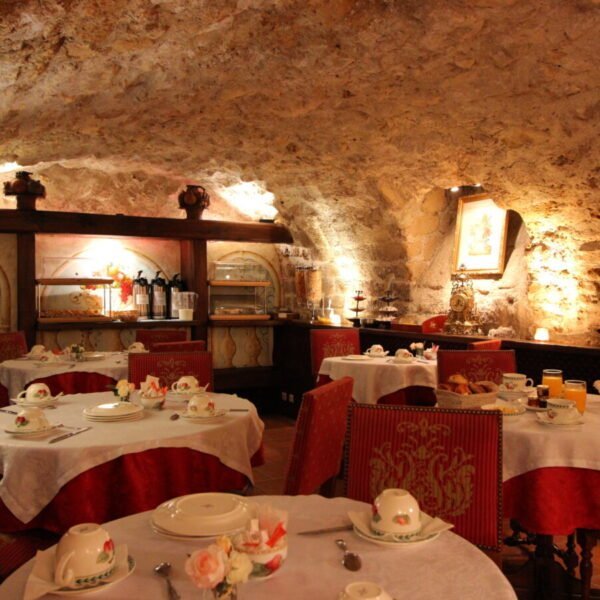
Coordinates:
141 295
158 297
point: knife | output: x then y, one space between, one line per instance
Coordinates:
10 412
239 410
68 435
327 530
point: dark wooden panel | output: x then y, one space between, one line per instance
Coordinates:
166 324
40 221
26 291
194 272
248 323
246 378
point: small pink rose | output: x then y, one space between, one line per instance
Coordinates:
206 568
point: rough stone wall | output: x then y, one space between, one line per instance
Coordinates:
354 113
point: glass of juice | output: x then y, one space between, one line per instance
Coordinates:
576 390
553 378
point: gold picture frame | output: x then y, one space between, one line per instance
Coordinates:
480 237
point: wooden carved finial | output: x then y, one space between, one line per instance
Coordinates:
26 190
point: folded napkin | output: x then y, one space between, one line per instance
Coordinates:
48 356
41 578
429 526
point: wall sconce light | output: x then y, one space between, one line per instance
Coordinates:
458 191
336 319
541 335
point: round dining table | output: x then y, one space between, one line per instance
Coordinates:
68 376
375 378
112 469
445 567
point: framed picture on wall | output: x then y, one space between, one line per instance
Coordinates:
480 238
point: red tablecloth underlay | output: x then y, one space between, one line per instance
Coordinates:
554 500
129 484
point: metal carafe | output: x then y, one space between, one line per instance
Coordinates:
141 295
175 286
158 298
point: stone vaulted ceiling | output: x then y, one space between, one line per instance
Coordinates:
352 112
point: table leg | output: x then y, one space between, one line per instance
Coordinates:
587 539
544 560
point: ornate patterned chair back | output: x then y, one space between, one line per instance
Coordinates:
316 454
170 366
151 336
192 346
434 324
332 342
485 345
483 365
450 460
12 345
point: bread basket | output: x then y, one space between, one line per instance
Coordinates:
447 399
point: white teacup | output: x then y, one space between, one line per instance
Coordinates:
376 350
136 347
396 511
37 350
364 590
31 419
186 384
36 392
562 411
202 405
514 382
84 555
403 353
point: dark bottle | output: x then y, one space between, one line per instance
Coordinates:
173 288
141 295
158 298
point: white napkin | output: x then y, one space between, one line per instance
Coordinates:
150 386
47 356
41 578
429 526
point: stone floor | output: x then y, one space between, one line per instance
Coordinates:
516 563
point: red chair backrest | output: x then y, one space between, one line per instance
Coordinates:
77 382
449 459
332 342
12 345
483 365
434 324
170 366
316 454
485 345
192 346
151 336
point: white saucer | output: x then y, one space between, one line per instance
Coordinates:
93 356
382 355
112 409
362 527
513 395
546 420
28 404
535 408
44 567
357 357
20 433
191 416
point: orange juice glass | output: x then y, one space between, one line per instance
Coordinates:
553 378
576 390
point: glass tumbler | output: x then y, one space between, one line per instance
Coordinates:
576 390
553 378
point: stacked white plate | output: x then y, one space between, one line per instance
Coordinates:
19 432
201 515
93 356
195 417
114 411
31 403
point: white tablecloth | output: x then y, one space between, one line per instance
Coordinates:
376 377
16 374
529 445
448 567
34 470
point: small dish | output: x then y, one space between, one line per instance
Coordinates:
543 418
357 357
30 434
377 355
507 410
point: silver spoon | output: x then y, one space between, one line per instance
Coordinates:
351 560
163 569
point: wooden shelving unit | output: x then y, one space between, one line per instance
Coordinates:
237 283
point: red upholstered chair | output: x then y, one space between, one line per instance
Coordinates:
485 345
434 324
319 439
192 346
332 342
151 336
77 382
483 365
17 550
170 366
449 459
12 345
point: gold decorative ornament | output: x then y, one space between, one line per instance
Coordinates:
462 317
